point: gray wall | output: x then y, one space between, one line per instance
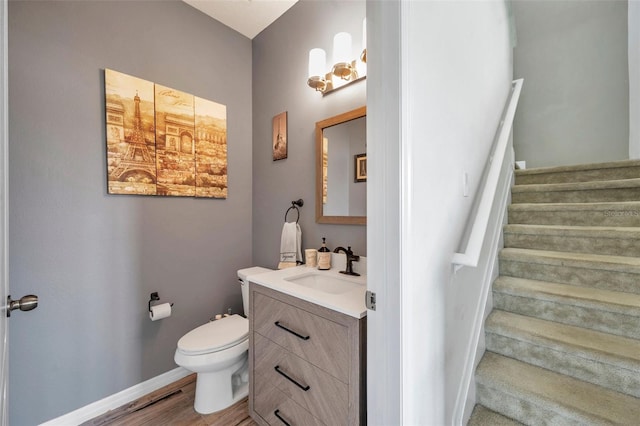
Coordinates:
280 59
94 258
575 100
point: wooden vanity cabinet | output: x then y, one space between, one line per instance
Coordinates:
306 362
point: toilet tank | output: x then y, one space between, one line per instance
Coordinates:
243 275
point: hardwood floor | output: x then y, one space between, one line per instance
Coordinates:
173 405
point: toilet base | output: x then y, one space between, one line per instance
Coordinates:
218 390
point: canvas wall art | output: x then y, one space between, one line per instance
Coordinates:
162 141
131 144
279 137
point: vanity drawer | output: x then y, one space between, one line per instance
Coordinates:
313 389
320 341
277 409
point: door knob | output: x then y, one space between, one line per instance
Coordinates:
26 303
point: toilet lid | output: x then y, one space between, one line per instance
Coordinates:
215 336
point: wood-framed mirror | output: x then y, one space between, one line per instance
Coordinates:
341 168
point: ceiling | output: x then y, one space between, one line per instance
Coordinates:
248 17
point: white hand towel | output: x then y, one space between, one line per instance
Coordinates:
290 245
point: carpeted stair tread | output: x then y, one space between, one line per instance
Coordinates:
482 416
593 191
547 397
602 310
626 213
580 260
600 206
620 351
579 167
627 232
587 297
577 186
580 172
611 240
615 273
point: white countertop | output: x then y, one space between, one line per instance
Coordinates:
351 303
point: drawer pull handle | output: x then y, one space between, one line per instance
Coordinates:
304 388
277 323
277 414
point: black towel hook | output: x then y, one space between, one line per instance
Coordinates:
294 205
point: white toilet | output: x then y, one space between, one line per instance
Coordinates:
218 352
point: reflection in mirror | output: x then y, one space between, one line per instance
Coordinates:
341 173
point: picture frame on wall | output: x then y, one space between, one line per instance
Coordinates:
279 136
360 167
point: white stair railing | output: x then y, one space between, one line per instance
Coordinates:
471 255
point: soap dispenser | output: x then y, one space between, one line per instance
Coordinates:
324 256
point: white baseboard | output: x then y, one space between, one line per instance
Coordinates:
119 399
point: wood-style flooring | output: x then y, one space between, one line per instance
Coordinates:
173 405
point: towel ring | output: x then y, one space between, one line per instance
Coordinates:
294 205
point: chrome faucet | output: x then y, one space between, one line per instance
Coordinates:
350 259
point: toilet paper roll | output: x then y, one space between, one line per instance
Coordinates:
160 311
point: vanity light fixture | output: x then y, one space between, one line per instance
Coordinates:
345 68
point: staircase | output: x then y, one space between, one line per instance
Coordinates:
563 340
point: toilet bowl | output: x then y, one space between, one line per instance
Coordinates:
217 351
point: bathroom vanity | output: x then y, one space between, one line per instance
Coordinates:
307 348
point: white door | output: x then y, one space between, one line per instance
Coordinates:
28 302
4 285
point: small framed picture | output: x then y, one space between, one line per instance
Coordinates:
361 168
279 141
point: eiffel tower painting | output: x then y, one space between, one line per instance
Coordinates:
162 141
131 156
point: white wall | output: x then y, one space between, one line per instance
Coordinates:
456 72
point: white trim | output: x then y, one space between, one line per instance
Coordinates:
471 253
634 79
384 384
461 412
4 213
119 399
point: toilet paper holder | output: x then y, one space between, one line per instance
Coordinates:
154 297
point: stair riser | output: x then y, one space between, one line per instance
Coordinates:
566 362
522 409
597 278
579 196
591 245
626 325
575 218
482 416
579 176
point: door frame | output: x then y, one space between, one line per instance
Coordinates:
385 210
4 282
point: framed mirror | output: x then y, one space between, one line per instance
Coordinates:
341 168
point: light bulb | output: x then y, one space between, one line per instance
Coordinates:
317 62
342 48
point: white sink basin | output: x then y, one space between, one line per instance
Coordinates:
325 283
